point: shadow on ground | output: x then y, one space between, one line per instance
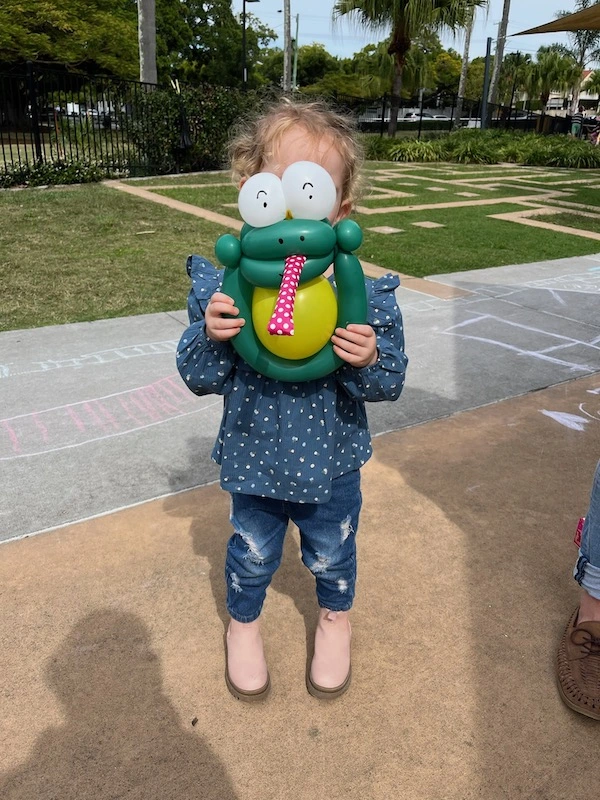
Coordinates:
121 736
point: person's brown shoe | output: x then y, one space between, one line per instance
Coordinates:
579 667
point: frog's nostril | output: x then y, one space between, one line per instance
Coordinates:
280 241
302 238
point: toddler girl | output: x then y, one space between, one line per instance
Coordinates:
292 451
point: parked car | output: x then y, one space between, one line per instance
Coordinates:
415 116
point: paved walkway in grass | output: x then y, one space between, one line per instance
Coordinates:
551 197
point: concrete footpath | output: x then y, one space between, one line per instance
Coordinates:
111 633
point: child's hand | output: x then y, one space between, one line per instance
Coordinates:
219 328
356 344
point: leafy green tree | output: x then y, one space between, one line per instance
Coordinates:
213 53
314 63
374 67
270 68
94 35
592 85
446 69
513 76
406 18
475 79
584 47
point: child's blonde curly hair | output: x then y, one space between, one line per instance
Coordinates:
255 139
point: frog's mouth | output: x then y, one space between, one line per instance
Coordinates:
282 319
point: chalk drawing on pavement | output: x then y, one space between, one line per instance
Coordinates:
572 421
576 422
77 424
516 337
100 358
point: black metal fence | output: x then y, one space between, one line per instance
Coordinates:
49 116
437 111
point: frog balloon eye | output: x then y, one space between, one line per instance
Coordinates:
309 190
261 201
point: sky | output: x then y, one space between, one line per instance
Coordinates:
344 38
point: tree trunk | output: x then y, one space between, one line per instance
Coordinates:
462 84
399 47
395 100
499 55
147 40
577 90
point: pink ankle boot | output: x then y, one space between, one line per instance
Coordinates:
246 673
330 671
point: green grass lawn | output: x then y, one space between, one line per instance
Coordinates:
80 253
585 195
574 221
470 240
559 176
421 195
88 252
212 197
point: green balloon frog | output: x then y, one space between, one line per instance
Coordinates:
274 272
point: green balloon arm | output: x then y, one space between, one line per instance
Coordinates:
351 293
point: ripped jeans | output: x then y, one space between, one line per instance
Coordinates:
327 538
587 569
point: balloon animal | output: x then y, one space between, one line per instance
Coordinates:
274 272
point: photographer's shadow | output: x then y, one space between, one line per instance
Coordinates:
120 736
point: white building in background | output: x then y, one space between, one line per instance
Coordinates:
559 101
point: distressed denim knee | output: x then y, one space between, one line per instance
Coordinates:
328 542
254 553
587 568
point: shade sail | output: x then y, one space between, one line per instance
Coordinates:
586 20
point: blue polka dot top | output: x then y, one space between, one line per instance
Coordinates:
289 440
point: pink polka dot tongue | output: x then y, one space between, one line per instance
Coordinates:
282 321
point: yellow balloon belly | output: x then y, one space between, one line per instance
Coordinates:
315 317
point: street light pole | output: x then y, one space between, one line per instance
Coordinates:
287 49
295 70
244 66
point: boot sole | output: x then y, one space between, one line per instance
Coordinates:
254 696
322 692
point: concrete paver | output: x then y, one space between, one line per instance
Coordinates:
95 417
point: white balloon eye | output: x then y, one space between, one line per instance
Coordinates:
309 190
261 201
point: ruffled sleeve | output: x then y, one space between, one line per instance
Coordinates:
384 380
206 367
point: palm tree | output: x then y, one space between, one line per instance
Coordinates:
513 74
551 72
462 83
406 18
